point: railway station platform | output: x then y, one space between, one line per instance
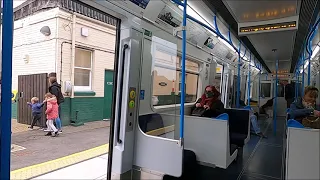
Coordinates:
34 154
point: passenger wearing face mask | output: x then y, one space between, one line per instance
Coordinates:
210 103
305 106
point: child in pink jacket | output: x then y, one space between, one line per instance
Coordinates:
52 113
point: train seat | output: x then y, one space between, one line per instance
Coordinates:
154 121
209 139
239 126
150 122
302 152
233 147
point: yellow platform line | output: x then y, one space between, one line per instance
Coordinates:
49 166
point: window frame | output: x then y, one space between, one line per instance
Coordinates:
84 88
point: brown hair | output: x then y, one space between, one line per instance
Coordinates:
48 95
52 80
313 91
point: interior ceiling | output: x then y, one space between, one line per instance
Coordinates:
283 41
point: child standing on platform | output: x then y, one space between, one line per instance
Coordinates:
52 114
36 111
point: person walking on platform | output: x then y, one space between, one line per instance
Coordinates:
55 89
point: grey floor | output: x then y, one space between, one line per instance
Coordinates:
262 158
40 148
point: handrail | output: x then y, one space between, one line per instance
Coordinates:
212 30
249 79
312 30
5 121
239 78
125 47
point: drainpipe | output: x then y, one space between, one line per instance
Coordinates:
57 41
73 51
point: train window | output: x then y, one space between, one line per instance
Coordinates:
218 77
280 92
265 90
167 79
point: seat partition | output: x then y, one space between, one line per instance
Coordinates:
209 139
302 152
239 126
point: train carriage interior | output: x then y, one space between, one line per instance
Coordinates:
200 89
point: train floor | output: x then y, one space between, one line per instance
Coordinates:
262 158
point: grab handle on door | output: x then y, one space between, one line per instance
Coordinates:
21 95
125 47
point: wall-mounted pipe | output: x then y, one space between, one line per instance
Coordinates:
73 51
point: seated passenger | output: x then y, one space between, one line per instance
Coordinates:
209 105
254 124
306 106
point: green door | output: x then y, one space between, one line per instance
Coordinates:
108 86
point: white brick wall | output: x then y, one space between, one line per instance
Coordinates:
45 52
101 41
28 40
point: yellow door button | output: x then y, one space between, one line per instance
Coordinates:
132 94
131 104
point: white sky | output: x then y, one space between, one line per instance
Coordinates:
17 2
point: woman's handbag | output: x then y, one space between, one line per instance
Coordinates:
311 122
199 111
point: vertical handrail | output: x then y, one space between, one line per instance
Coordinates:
5 121
259 89
303 61
296 85
238 80
183 70
249 79
276 97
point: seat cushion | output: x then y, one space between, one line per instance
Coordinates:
237 139
233 148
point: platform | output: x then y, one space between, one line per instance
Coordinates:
35 154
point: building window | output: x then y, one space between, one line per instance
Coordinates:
83 70
167 79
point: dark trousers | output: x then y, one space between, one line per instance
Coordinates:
289 102
36 118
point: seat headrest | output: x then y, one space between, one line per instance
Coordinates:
295 124
223 116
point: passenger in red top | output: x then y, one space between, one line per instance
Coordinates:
52 113
210 102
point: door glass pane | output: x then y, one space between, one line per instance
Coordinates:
164 85
265 90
